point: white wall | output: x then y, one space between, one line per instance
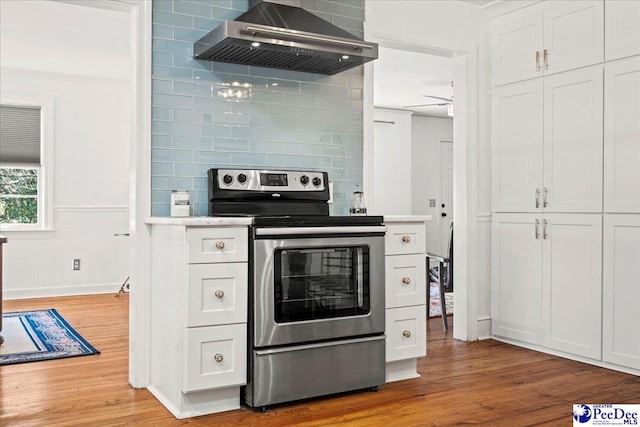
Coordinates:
391 163
455 25
67 53
427 133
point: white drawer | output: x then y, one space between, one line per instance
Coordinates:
216 293
406 281
406 331
219 244
405 238
215 357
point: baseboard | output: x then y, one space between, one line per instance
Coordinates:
484 328
103 288
569 356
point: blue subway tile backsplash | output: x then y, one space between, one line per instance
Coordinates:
283 120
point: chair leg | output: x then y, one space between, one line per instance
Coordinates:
443 307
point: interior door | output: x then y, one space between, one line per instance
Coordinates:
446 195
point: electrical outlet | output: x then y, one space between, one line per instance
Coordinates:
76 264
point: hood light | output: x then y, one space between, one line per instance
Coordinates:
255 44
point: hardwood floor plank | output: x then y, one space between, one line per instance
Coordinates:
482 383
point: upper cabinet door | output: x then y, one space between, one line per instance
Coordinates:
621 130
546 38
622 29
517 147
516 46
573 35
573 141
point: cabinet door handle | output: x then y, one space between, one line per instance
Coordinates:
219 294
406 280
544 230
544 197
406 239
219 358
406 333
546 59
537 198
537 232
220 245
537 60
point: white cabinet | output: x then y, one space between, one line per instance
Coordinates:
621 293
517 134
547 144
622 29
199 317
622 135
516 277
405 296
546 287
571 283
546 38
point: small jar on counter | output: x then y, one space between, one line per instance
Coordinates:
358 206
180 205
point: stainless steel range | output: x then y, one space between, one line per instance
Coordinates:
316 298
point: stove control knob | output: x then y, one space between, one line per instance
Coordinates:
317 181
242 178
228 179
304 179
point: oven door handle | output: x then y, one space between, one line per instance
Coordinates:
317 345
279 231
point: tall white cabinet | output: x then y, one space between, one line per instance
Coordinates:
547 143
566 180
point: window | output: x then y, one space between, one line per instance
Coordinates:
25 128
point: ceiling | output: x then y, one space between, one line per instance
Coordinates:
402 78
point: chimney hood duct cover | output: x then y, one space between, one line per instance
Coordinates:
281 36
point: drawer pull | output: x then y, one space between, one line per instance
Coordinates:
219 358
220 244
219 294
406 239
406 333
406 280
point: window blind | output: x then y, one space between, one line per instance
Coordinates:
20 135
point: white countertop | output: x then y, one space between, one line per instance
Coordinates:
192 221
407 218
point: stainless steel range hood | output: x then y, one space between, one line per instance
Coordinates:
275 35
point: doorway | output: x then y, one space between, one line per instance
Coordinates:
464 69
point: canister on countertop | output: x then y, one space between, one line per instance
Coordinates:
180 203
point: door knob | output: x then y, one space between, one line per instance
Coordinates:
443 214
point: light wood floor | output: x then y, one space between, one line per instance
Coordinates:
483 383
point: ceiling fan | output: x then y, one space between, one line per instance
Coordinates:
448 102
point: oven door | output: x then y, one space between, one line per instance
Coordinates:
317 284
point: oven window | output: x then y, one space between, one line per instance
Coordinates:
321 283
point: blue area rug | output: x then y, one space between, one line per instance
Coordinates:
31 336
